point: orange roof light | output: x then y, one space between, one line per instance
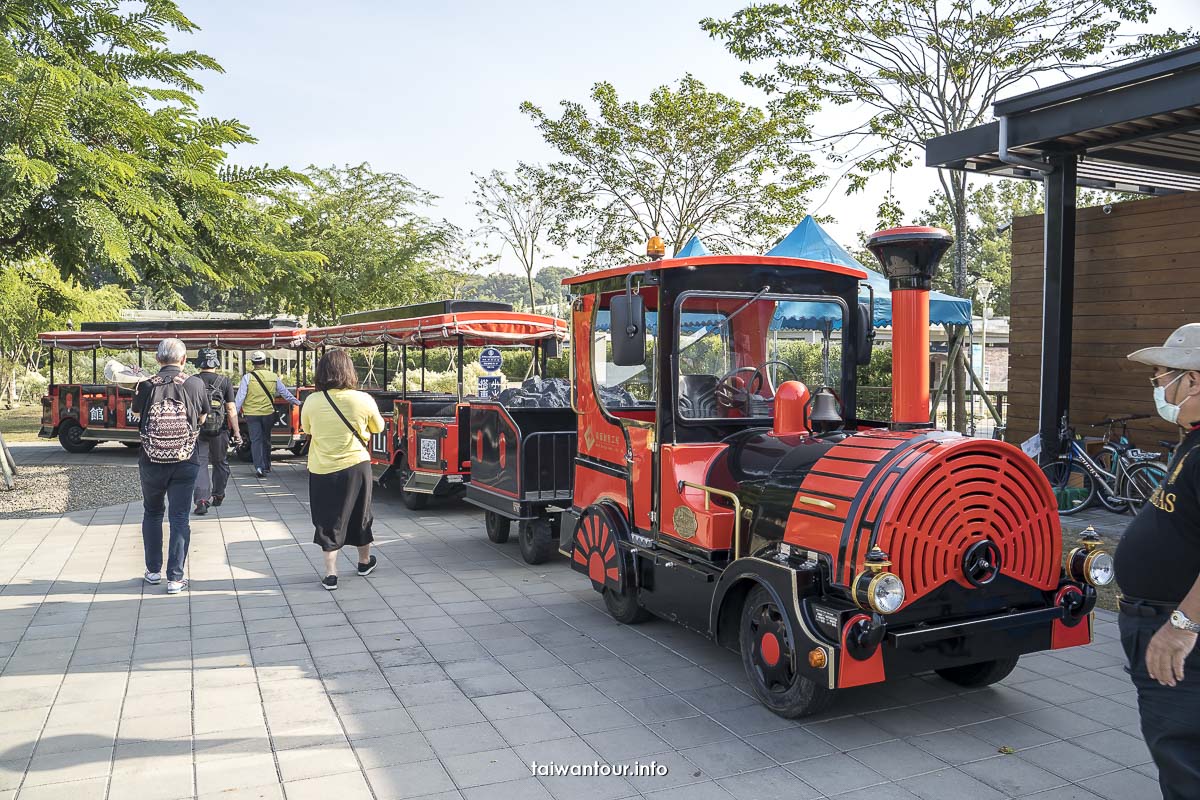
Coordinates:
655 249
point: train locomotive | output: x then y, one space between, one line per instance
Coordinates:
713 488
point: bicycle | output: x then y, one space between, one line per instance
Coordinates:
1122 480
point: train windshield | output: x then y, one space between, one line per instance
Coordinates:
733 350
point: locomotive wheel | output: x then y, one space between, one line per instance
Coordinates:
623 605
985 673
537 543
70 436
770 657
414 501
497 526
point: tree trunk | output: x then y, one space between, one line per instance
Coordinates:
532 302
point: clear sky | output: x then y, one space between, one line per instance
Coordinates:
431 90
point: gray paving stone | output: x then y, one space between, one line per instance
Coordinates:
834 773
465 739
487 767
949 784
404 781
1012 776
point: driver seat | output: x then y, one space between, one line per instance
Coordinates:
697 396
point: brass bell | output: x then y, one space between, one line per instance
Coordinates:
823 414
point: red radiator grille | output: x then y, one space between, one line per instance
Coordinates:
959 493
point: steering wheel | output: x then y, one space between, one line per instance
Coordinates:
732 393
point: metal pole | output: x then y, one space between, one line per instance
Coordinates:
52 351
385 365
422 368
460 368
70 367
1058 294
94 365
404 370
956 343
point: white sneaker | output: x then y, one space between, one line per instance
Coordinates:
152 578
175 587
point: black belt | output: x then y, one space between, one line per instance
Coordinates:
1135 607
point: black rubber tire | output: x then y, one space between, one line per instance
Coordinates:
623 605
797 696
497 527
985 673
1141 481
537 540
244 453
1070 475
133 445
414 501
70 437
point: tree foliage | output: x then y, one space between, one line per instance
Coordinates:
34 297
687 161
915 69
107 166
380 250
523 211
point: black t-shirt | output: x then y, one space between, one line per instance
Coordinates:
1159 555
192 392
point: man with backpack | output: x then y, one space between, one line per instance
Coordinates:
215 433
172 406
255 401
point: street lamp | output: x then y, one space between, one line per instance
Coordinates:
984 289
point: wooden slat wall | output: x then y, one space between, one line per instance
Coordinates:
1137 278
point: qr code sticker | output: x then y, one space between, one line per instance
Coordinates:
428 450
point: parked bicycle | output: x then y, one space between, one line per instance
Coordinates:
1122 478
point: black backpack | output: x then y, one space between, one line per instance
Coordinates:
214 423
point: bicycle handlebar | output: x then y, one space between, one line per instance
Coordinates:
1104 423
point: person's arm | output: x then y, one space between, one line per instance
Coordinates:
231 411
374 419
284 393
139 398
240 397
1171 646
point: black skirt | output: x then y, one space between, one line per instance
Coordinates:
341 507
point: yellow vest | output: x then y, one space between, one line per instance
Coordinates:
259 403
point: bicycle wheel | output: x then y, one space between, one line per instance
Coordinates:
1141 481
1073 487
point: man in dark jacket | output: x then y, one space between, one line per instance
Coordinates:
1158 570
220 427
172 408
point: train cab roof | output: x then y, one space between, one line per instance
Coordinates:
701 262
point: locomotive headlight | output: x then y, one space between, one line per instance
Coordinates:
875 588
1089 563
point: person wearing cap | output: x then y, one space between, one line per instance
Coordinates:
220 425
255 401
1158 571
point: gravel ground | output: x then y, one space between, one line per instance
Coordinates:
61 489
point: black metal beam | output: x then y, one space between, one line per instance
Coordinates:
1111 78
1058 294
956 148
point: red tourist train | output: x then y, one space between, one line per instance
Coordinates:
713 488
82 415
423 449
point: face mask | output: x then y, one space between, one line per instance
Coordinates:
1168 411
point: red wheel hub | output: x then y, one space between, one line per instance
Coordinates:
596 567
769 647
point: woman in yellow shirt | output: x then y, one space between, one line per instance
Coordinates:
339 420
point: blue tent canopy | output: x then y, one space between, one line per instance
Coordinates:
692 249
809 240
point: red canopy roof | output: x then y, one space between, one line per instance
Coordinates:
268 339
477 329
713 261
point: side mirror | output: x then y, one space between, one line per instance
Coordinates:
864 335
627 325
551 348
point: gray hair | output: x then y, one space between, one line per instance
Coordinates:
171 351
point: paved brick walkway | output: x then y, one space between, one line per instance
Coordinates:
451 668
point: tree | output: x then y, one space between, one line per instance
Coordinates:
34 297
503 287
522 210
380 250
549 280
106 165
923 68
685 162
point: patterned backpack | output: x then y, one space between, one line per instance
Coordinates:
166 433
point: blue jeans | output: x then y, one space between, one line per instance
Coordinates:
260 439
163 483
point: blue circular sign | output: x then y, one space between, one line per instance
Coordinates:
490 359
